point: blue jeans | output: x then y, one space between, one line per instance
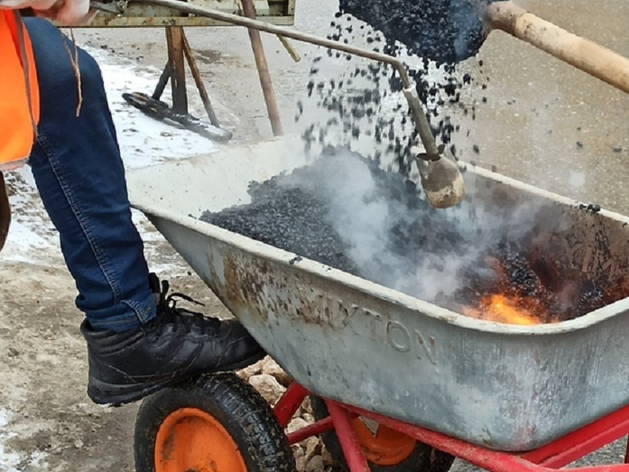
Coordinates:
81 179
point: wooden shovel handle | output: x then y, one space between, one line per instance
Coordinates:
583 54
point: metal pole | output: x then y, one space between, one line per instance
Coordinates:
161 83
174 39
347 437
196 75
263 70
289 48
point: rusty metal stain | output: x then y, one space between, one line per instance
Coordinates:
254 283
613 270
571 251
586 259
232 283
243 285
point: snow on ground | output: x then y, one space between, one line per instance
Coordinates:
12 461
143 142
8 460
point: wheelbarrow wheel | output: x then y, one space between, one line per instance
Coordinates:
386 450
216 423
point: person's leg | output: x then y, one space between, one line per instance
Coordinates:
80 176
136 343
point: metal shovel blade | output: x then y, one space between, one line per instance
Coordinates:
442 181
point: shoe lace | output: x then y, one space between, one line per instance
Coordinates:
169 314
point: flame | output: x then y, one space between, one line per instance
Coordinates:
501 309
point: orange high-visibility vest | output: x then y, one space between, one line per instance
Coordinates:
19 93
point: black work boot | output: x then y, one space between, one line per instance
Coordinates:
175 345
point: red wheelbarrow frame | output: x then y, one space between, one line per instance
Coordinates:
548 458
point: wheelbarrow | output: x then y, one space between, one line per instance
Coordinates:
437 384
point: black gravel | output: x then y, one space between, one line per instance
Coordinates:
454 258
445 31
292 219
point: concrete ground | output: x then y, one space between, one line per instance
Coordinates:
544 123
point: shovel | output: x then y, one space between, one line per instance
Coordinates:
579 52
453 30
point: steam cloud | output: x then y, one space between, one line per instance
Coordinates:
372 224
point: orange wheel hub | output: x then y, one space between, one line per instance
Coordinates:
192 440
385 446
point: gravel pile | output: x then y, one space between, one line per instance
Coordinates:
445 31
292 219
271 382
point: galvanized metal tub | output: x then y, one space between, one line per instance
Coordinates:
505 387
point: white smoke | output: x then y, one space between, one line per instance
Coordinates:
364 216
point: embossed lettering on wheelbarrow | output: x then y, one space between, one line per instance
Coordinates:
506 387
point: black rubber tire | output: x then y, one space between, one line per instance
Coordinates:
237 406
423 459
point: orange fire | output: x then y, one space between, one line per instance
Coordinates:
502 309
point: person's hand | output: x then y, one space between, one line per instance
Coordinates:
22 4
66 12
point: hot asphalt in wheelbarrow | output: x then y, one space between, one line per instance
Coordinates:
476 253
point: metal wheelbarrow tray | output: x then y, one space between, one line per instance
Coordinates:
505 387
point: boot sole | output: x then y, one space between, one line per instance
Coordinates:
105 393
